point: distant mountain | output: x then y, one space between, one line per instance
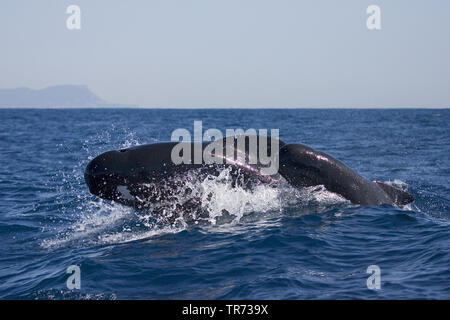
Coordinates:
55 96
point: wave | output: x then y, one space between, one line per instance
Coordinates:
198 201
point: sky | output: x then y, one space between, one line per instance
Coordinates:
233 53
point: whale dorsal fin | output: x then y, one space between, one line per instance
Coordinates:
398 196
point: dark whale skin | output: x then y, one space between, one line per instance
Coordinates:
301 166
304 167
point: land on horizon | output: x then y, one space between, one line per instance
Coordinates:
59 96
80 96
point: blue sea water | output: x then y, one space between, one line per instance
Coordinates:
281 244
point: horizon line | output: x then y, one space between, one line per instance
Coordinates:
133 107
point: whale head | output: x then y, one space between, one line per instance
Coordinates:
106 175
125 175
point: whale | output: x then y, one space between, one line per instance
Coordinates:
145 174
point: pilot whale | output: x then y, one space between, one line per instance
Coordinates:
146 174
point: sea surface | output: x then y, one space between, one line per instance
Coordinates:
272 243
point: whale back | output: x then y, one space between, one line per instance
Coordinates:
303 167
123 174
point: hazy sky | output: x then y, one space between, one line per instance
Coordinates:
233 53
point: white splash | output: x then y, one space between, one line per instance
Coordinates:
218 201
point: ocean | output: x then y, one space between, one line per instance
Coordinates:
279 244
